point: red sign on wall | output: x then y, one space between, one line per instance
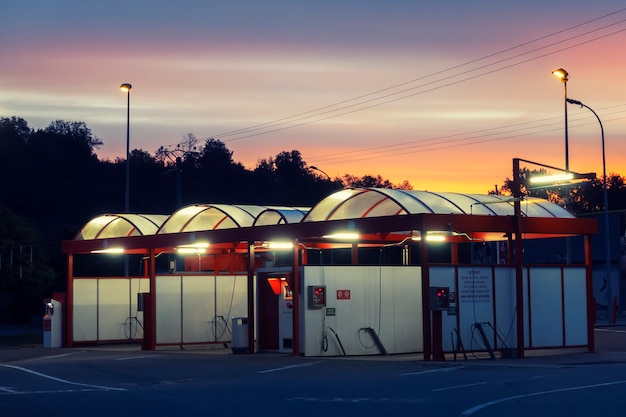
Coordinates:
343 294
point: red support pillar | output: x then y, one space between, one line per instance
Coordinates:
150 315
250 297
519 259
69 309
427 337
591 302
295 287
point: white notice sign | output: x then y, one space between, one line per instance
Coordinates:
475 285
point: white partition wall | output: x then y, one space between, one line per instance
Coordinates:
575 307
505 320
85 306
106 310
363 303
546 307
198 308
388 300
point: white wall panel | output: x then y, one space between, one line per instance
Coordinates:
114 313
475 297
575 307
385 300
546 312
168 309
85 310
197 307
505 320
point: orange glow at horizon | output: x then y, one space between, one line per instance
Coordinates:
390 92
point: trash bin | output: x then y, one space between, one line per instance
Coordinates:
239 342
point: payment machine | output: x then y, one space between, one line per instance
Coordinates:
52 324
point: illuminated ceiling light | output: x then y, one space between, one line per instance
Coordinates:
111 251
193 249
545 179
190 251
343 236
433 236
278 245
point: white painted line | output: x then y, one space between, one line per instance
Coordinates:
19 368
460 386
7 389
54 391
302 365
55 356
432 371
130 358
610 330
471 411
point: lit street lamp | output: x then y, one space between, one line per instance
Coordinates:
606 209
126 88
563 76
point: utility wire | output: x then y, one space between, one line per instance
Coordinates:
319 119
465 140
316 113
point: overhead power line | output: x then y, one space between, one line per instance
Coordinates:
373 99
499 133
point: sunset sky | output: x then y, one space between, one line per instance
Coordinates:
442 94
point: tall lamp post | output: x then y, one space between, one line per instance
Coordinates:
563 76
317 169
126 88
607 241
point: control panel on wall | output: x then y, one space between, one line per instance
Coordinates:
317 296
439 298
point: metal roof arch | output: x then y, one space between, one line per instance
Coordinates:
280 215
108 226
376 202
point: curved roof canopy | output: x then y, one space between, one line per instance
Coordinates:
226 216
379 212
374 202
121 225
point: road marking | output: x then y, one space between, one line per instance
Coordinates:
459 386
136 357
64 381
471 411
55 356
53 391
610 330
363 400
430 371
7 389
301 365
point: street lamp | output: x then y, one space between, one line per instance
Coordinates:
317 169
563 76
606 208
126 88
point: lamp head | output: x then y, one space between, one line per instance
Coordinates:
126 87
561 74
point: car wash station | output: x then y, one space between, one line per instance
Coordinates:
366 271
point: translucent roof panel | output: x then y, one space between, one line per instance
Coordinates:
280 216
121 225
224 216
374 202
209 217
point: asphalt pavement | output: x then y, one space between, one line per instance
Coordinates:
610 347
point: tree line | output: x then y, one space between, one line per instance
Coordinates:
53 183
